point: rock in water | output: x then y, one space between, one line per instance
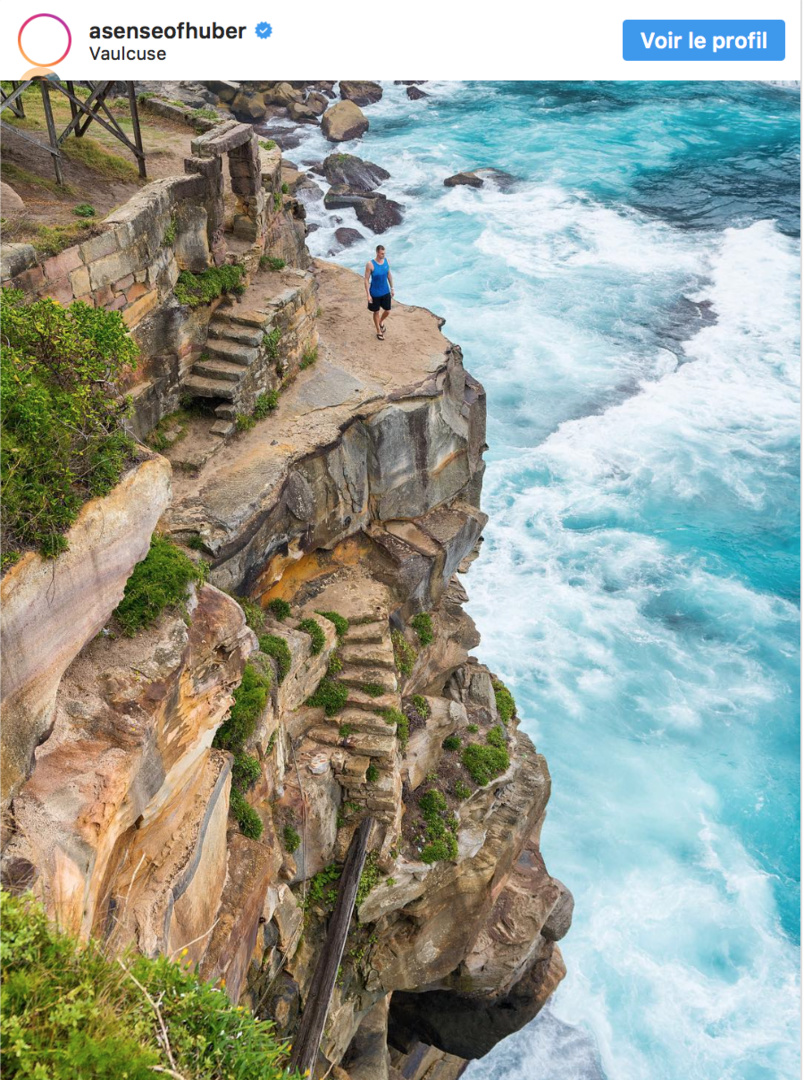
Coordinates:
353 172
347 237
465 179
361 93
415 94
373 210
344 121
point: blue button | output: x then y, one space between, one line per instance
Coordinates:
703 39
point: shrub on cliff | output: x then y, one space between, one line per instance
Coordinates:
69 1011
250 699
506 706
423 625
156 584
484 763
62 440
317 637
278 649
404 653
329 695
192 290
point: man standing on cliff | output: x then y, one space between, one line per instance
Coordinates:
379 290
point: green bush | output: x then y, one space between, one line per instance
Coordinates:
345 730
309 357
269 262
291 839
317 635
192 290
394 716
452 742
330 695
373 689
277 200
280 609
244 421
246 771
157 583
423 625
432 802
439 828
472 728
369 877
506 706
444 849
62 438
461 790
267 144
250 699
84 210
279 650
335 665
71 1013
404 653
270 342
170 232
419 703
338 621
323 888
246 816
372 774
496 738
483 763
265 404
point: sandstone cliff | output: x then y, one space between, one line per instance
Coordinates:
355 500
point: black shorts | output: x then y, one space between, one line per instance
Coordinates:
378 302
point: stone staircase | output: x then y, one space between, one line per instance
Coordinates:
368 661
233 345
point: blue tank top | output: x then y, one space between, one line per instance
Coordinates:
379 278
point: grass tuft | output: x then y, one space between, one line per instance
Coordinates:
157 584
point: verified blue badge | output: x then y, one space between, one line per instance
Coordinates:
263 30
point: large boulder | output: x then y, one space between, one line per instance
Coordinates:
250 106
415 94
317 103
375 211
353 172
301 113
10 202
344 121
283 94
361 93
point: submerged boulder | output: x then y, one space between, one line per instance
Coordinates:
463 179
344 121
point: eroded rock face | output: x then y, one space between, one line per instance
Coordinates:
51 609
358 496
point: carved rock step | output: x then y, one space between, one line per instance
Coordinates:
358 677
364 721
225 329
368 654
365 743
241 316
219 369
358 700
370 633
233 351
210 388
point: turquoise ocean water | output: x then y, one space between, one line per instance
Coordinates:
631 306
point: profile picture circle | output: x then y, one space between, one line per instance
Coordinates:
44 34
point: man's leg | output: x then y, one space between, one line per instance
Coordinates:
377 324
